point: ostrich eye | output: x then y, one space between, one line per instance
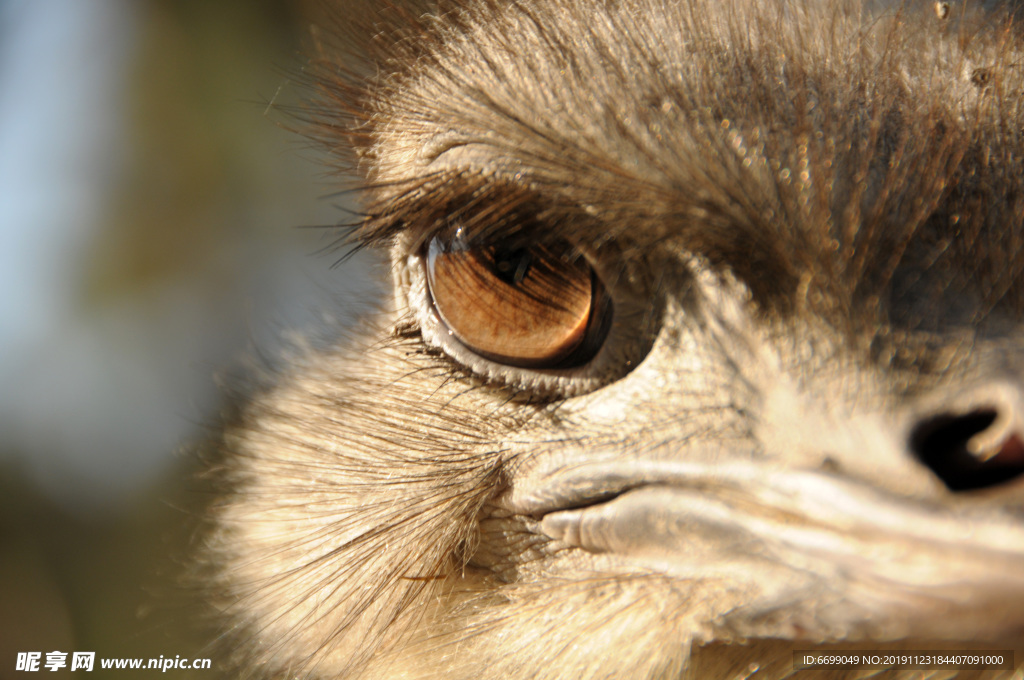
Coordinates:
530 306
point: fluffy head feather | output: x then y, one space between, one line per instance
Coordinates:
810 220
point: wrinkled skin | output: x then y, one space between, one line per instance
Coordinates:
797 422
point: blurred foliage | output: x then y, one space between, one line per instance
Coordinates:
111 585
204 76
200 148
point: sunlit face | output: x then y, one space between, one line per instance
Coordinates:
707 346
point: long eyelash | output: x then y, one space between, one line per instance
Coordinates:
487 209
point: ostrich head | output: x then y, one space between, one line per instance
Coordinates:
707 345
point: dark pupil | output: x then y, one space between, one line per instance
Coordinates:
512 266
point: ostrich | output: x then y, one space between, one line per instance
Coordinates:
706 346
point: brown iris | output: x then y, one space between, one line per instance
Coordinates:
528 306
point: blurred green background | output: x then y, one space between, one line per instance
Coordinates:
150 210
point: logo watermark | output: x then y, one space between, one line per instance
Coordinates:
33 662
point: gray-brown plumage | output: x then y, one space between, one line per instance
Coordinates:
707 345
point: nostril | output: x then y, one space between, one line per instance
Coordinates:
948 444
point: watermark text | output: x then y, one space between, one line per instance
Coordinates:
33 662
